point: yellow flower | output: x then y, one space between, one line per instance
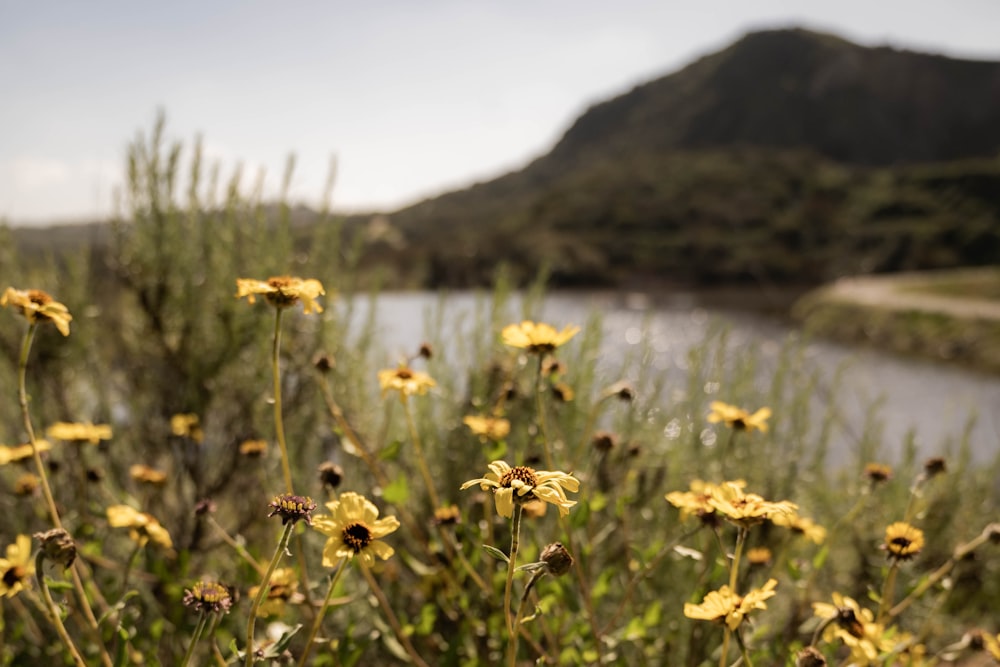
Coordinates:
536 337
759 556
738 418
142 527
283 291
187 425
21 452
724 606
802 525
354 529
696 501
17 568
79 432
143 473
746 509
521 484
404 380
283 589
991 645
37 305
253 448
856 627
903 541
494 428
877 472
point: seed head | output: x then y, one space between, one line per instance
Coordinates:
58 546
292 508
557 559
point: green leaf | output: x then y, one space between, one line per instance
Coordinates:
391 451
496 553
397 492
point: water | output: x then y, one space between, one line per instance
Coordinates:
935 401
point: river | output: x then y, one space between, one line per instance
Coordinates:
933 400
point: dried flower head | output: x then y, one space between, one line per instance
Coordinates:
405 380
283 291
205 506
903 541
622 389
557 559
810 657
563 392
58 546
324 363
354 529
877 472
738 418
142 527
187 425
38 306
147 475
21 452
935 466
208 597
426 351
17 568
521 484
537 338
551 366
79 432
488 428
725 607
604 441
292 508
330 474
253 449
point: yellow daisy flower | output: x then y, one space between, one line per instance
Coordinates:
253 448
143 473
20 452
142 527
746 509
37 305
354 529
187 425
283 291
903 541
492 428
877 472
738 418
725 607
79 432
404 380
283 590
696 501
801 525
17 569
856 627
536 337
521 484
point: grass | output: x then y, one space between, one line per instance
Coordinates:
648 577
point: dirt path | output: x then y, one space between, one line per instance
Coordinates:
902 292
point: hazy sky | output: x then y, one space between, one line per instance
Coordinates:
412 97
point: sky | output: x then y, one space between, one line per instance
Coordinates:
411 98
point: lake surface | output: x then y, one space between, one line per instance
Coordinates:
931 399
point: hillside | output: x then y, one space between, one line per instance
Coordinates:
790 156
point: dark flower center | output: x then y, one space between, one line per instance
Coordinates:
357 536
739 423
282 297
404 373
14 575
522 473
39 297
901 543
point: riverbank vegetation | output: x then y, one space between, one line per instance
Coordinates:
209 460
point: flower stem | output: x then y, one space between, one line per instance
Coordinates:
198 631
741 538
421 461
724 654
341 566
743 648
239 548
888 588
391 617
542 425
279 424
286 534
515 531
512 657
54 611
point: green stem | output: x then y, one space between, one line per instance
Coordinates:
515 535
54 611
391 617
540 406
888 588
741 538
279 424
743 648
725 648
341 566
195 638
286 534
421 462
512 655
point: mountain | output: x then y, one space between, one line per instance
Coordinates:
790 156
